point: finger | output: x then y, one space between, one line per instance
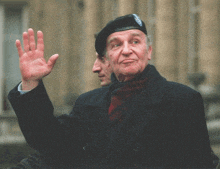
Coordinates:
52 60
40 41
25 41
19 48
31 39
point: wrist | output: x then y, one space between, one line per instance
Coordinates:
29 85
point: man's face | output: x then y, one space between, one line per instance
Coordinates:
104 70
128 54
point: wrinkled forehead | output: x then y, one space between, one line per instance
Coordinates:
124 35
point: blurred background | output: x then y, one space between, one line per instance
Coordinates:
185 35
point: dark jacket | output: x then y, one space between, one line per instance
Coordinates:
163 125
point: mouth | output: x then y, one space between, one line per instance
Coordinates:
128 61
101 77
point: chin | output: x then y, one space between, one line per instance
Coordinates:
131 72
104 84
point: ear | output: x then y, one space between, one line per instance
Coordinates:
149 52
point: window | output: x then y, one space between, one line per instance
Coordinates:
13 21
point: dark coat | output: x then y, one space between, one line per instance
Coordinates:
163 126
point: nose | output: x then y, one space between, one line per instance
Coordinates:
126 49
96 67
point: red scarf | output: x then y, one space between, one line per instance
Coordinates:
123 94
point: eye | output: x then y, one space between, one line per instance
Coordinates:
135 42
115 45
101 59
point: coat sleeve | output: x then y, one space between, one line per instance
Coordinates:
190 138
54 136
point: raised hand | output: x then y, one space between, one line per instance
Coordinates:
32 64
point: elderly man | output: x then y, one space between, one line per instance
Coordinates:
140 121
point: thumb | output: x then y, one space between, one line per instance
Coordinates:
52 60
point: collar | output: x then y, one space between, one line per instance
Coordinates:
149 72
152 86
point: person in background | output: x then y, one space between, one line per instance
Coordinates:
104 70
140 120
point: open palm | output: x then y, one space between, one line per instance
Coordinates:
33 66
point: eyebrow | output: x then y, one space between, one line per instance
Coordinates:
112 39
136 34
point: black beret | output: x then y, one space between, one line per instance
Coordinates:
122 23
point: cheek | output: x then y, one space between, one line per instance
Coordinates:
112 60
109 68
144 57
